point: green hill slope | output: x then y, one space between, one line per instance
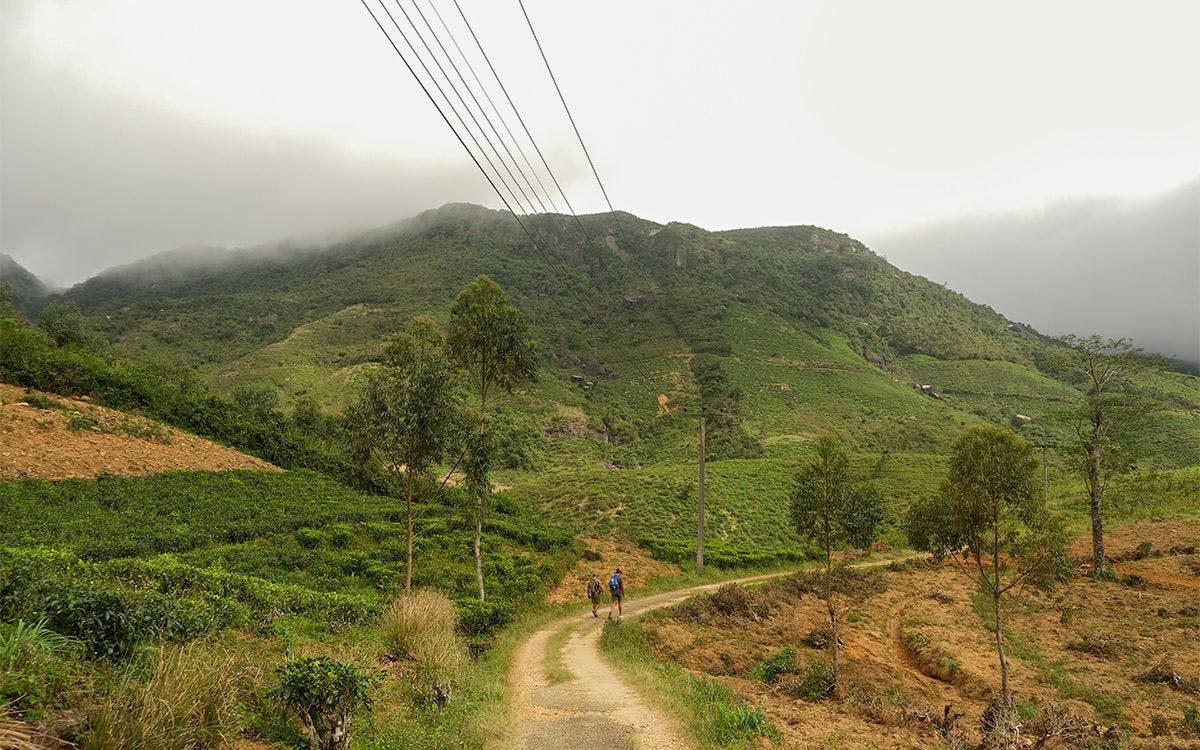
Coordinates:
28 292
781 333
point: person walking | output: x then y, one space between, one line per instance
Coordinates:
593 592
616 587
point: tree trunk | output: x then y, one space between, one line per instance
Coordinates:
833 624
408 560
478 552
1096 491
1004 692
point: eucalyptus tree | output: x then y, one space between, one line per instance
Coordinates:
410 413
1106 418
832 510
990 519
489 340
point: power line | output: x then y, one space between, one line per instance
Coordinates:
562 99
503 121
585 303
438 107
488 120
521 119
461 100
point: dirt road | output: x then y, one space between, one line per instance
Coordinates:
596 707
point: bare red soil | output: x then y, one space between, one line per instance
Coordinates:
59 438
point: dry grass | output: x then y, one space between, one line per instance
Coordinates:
189 700
415 618
423 628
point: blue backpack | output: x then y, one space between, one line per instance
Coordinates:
614 583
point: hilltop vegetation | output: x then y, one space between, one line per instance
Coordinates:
780 334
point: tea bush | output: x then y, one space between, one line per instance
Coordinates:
720 554
325 694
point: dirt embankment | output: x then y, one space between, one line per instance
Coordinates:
44 436
919 643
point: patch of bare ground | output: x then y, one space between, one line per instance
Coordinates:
603 556
1107 653
44 436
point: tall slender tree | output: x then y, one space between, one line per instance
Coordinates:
489 339
1106 418
989 517
833 511
409 414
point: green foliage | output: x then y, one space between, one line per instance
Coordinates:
35 667
721 404
326 694
65 324
812 682
113 517
1191 720
780 661
991 512
720 554
829 508
489 338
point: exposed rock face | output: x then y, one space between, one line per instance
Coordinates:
637 299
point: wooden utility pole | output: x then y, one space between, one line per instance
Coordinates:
700 503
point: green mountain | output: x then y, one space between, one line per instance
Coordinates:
28 292
779 333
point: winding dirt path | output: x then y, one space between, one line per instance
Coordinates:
596 707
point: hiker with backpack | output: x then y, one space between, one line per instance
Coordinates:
616 587
593 592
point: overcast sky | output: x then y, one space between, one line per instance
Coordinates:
133 126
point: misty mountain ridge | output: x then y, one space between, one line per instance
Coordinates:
787 332
1120 268
29 292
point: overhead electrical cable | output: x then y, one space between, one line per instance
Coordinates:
454 66
521 119
467 107
450 125
503 120
450 104
562 99
554 264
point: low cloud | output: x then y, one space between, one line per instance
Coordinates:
1118 268
91 180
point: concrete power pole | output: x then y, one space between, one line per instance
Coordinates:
700 502
1045 477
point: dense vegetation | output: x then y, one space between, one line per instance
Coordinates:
776 335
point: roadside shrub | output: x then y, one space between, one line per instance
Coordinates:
189 700
480 619
415 616
34 666
777 663
812 682
730 600
325 694
423 628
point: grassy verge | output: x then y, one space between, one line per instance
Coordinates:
718 718
554 662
